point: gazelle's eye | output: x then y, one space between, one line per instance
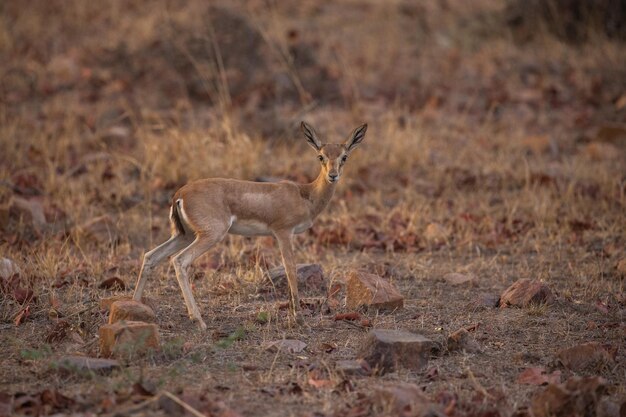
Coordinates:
321 158
344 158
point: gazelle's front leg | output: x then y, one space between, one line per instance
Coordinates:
286 250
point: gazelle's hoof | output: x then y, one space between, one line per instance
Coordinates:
296 319
201 324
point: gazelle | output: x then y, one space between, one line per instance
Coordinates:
204 211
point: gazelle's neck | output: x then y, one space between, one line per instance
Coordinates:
319 193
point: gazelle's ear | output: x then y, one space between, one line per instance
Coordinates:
311 136
356 137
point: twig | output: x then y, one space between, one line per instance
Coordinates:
135 407
477 385
183 404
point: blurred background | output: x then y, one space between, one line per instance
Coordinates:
107 108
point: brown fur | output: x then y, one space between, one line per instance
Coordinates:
204 211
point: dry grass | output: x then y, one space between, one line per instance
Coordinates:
451 103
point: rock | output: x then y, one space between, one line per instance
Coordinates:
404 399
372 291
8 268
128 338
131 311
525 292
576 397
310 278
462 340
436 234
86 365
101 230
386 350
31 210
586 356
351 367
286 345
454 278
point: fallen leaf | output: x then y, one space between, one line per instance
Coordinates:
347 316
22 316
538 376
432 373
602 307
321 383
318 380
328 347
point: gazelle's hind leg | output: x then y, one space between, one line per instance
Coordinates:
204 241
157 255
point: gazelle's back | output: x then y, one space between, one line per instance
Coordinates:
249 208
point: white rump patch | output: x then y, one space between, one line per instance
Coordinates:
181 209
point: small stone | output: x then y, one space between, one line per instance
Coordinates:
576 397
403 398
387 350
131 311
128 338
352 367
372 291
525 292
310 278
100 230
586 356
31 210
86 365
462 340
8 268
454 278
436 234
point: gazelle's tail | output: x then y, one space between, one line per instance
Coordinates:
175 217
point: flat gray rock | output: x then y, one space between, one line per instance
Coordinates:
85 364
386 350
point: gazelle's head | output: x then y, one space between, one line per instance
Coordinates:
333 156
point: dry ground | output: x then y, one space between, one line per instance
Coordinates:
107 112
